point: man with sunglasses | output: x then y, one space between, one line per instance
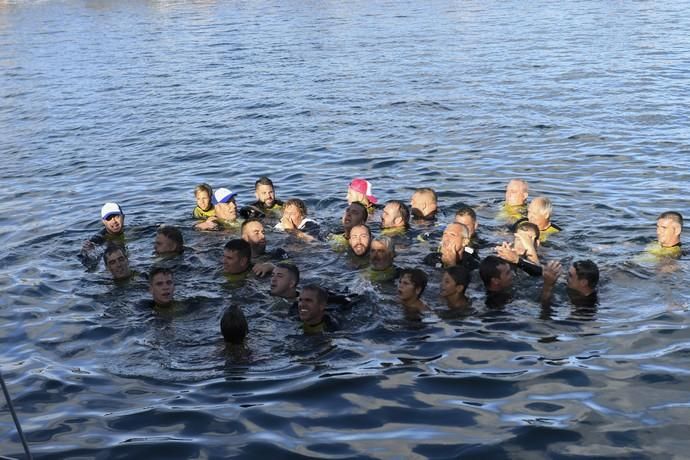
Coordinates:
113 219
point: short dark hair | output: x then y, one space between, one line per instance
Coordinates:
403 209
174 233
291 268
299 204
465 210
488 269
158 270
321 293
588 270
241 246
263 180
527 226
673 215
364 209
204 187
233 325
418 278
459 274
249 221
112 248
365 226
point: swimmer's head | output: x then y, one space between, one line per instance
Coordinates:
395 214
168 240
669 226
161 286
233 325
496 274
203 193
465 215
253 232
355 214
312 304
411 285
284 280
455 237
525 231
237 256
583 277
113 218
454 281
294 212
424 203
539 212
116 261
381 253
359 190
517 192
360 239
265 191
224 204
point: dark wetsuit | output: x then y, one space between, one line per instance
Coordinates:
327 324
258 209
528 267
469 260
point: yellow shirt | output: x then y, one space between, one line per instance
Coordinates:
550 230
657 250
199 213
512 213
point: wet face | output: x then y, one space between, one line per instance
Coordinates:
164 245
422 204
390 217
282 283
292 217
668 232
203 200
519 237
354 196
118 265
253 233
114 223
359 240
449 287
227 211
505 278
233 263
353 215
310 309
537 216
266 195
162 288
407 291
516 193
380 258
468 222
453 240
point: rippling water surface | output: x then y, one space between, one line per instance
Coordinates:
138 101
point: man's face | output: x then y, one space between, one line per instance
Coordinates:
519 237
359 240
516 193
537 216
164 245
114 223
448 286
505 278
668 232
253 233
266 195
406 289
468 222
203 200
162 288
282 283
390 217
118 265
422 204
380 258
227 211
292 216
453 240
353 215
233 263
310 310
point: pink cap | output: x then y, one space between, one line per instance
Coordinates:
363 186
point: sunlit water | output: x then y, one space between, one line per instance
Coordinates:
138 101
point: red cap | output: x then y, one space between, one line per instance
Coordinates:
363 186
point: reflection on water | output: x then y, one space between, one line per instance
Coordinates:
138 102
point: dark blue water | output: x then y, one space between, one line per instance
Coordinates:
138 101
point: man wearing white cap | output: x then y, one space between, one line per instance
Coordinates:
114 229
224 204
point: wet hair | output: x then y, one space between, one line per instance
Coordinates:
465 231
203 187
404 211
459 274
239 245
299 204
673 216
418 278
365 226
542 205
488 269
527 226
321 293
249 221
588 270
291 268
111 249
263 180
173 233
465 210
233 325
363 208
427 190
385 241
158 270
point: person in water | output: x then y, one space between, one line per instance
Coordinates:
411 286
116 262
295 220
359 191
453 249
523 252
381 258
515 205
252 231
582 282
453 286
669 226
360 240
539 213
237 259
424 204
284 281
162 286
312 310
395 217
233 325
466 216
225 211
266 201
169 241
204 208
497 276
113 220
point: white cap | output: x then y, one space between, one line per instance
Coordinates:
222 195
111 209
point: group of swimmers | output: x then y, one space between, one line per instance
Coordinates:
457 255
